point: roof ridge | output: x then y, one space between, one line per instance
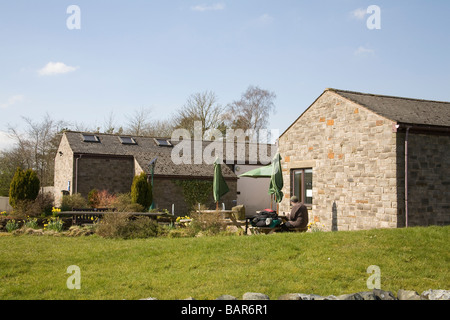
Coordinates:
153 137
116 134
384 96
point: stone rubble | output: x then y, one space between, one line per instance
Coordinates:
375 294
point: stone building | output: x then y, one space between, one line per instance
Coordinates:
348 154
86 161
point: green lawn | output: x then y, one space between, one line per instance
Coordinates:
33 267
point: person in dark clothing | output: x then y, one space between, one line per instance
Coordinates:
298 217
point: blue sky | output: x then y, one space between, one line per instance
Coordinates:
130 55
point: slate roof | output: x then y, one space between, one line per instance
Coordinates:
402 110
145 151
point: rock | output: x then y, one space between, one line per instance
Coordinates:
290 296
352 296
255 296
311 297
368 295
303 296
239 212
226 297
435 295
34 232
150 298
190 298
383 295
407 295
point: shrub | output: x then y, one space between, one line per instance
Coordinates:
105 199
24 186
123 203
23 208
121 225
180 233
140 228
42 205
93 198
207 223
111 224
73 201
141 191
77 231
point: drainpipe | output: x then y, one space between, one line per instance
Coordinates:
76 174
406 177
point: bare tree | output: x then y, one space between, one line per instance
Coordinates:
161 128
252 111
37 146
139 122
110 125
82 127
10 160
202 107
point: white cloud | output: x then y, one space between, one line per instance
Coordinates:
214 7
53 68
359 13
361 51
11 101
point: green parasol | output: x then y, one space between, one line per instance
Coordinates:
276 179
220 186
262 172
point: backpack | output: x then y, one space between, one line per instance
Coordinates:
266 218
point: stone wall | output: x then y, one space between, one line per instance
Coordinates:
375 294
64 166
114 174
428 179
352 152
4 204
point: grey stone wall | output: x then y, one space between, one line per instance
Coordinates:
114 174
428 179
352 152
4 204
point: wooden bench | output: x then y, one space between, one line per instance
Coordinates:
263 230
83 216
297 229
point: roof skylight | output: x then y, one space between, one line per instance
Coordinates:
127 140
90 138
163 142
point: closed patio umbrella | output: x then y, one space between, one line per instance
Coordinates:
220 187
276 179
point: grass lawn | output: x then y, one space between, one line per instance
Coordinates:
33 267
